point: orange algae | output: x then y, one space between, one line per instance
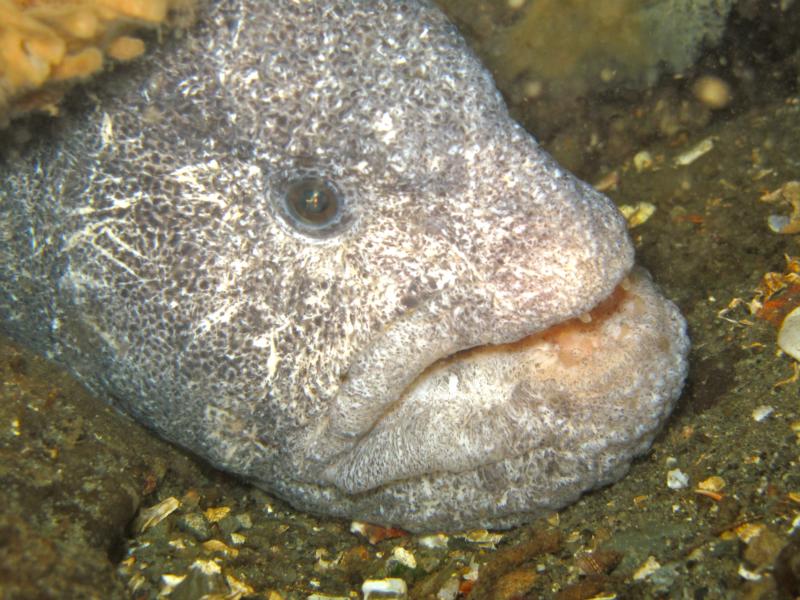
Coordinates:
47 45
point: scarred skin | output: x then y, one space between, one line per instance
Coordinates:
151 245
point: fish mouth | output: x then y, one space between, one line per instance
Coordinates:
486 403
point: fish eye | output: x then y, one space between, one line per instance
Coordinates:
313 202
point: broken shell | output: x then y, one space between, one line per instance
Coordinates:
384 588
238 588
169 582
437 540
762 412
216 514
598 562
746 532
150 517
482 537
607 182
695 152
638 213
747 574
789 334
238 539
402 556
203 580
218 546
677 479
715 483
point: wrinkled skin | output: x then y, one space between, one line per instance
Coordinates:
152 244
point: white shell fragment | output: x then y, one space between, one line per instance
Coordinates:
789 334
677 479
402 556
762 412
384 588
169 582
691 155
150 517
747 574
436 540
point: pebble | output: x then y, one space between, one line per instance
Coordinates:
712 91
449 591
196 525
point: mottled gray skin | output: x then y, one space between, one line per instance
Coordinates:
146 245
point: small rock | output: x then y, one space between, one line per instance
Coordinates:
712 91
216 514
195 524
245 520
449 591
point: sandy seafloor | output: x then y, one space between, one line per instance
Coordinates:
74 474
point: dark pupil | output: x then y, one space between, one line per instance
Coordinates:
312 201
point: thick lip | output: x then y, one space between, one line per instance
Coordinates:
569 386
357 471
335 442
